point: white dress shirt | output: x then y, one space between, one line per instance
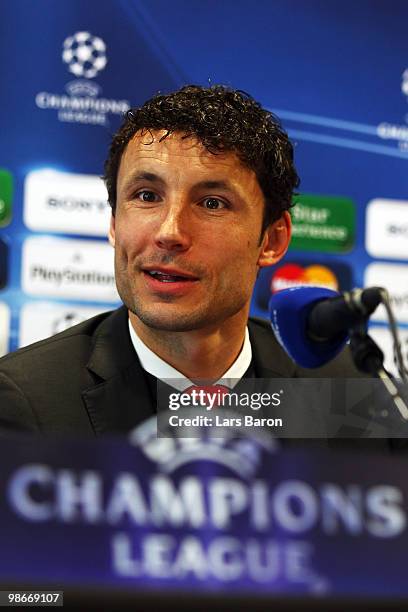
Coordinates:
159 368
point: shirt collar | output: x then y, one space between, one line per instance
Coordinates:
159 368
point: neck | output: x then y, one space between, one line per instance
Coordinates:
199 354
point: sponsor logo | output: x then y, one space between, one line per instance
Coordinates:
74 269
3 264
66 203
323 223
295 273
43 319
382 336
387 228
6 196
85 56
4 328
394 277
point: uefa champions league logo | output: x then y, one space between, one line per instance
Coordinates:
240 454
404 84
84 54
85 57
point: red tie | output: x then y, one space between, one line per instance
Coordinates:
204 391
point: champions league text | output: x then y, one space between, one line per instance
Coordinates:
281 517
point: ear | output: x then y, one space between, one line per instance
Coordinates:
111 233
275 241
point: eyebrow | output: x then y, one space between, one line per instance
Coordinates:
155 178
214 185
144 176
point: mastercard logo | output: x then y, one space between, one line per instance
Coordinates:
293 275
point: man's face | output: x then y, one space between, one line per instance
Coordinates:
187 234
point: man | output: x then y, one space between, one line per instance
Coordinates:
200 182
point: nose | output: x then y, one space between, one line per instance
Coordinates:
174 231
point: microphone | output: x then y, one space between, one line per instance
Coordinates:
312 323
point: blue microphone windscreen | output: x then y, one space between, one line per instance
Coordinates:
289 310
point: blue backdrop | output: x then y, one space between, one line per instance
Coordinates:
334 71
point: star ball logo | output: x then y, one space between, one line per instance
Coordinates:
84 54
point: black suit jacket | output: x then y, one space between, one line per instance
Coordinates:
88 379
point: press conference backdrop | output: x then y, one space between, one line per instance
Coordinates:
334 71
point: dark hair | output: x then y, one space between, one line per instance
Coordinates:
222 119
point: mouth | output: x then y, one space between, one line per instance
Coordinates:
169 276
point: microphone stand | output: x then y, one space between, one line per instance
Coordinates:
369 358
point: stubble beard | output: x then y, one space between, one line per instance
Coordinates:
160 318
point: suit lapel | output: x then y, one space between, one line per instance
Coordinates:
120 398
269 359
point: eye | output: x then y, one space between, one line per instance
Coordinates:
146 196
214 203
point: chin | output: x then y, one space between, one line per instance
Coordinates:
171 322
